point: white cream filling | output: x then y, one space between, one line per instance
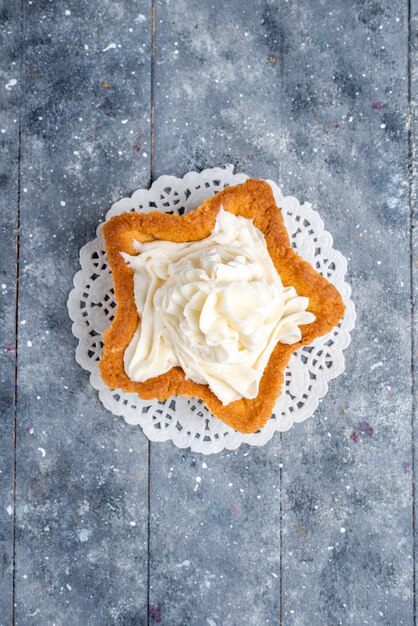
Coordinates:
215 307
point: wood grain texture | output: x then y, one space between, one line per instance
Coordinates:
316 527
82 474
347 491
413 158
215 522
10 24
315 97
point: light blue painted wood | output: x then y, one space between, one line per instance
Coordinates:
82 473
315 97
413 87
316 526
9 202
347 518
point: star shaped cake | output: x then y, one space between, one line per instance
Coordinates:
212 304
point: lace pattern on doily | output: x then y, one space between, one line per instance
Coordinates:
187 422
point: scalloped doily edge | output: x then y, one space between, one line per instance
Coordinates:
228 443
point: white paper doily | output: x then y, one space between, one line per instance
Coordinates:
187 422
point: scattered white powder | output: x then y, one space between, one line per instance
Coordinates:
376 365
84 534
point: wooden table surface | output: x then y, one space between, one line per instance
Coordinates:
99 527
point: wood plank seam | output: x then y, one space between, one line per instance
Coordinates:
152 75
281 538
152 91
15 395
411 196
280 168
411 199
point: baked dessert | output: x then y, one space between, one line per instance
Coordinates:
212 304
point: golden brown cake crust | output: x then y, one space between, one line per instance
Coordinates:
254 200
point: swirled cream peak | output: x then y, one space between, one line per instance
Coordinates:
215 307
